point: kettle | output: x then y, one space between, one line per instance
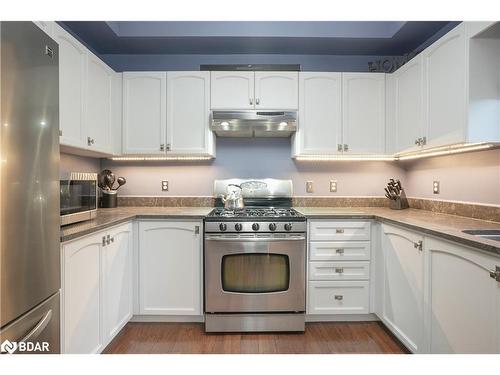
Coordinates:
233 199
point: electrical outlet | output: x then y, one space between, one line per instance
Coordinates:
435 187
164 185
309 187
333 186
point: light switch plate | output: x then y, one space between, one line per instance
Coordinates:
333 186
435 187
164 185
309 187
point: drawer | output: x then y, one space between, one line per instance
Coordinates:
334 251
338 297
327 230
339 271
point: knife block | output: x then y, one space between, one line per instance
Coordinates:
400 203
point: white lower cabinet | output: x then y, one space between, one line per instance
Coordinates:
464 300
96 289
170 268
403 285
339 297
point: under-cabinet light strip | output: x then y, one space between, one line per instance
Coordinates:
448 150
345 158
161 158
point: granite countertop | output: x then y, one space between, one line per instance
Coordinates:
441 225
108 217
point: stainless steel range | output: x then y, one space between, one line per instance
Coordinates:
255 259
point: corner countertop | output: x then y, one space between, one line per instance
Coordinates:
445 226
108 217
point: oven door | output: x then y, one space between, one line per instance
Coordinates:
255 274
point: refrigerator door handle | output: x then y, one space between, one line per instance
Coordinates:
40 326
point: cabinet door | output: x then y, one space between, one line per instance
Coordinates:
116 113
320 114
72 66
403 286
232 90
188 113
464 299
170 273
409 80
144 112
446 89
98 107
81 291
117 281
363 109
276 90
46 26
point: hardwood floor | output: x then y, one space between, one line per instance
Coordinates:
319 338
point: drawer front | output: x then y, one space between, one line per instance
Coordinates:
323 230
338 297
339 271
339 250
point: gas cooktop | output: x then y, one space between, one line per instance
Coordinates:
255 213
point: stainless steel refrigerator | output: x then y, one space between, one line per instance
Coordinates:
29 190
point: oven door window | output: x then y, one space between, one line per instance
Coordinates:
255 273
77 196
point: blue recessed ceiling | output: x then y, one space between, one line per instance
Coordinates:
391 38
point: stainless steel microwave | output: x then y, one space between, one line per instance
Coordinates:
78 197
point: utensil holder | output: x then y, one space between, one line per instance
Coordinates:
109 199
400 203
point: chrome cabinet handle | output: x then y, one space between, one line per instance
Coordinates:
112 239
108 239
251 101
424 141
168 146
417 141
418 245
339 297
339 147
103 241
90 141
162 147
197 229
495 274
346 147
339 231
257 101
340 251
339 270
40 326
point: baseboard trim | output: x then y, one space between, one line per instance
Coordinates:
168 319
342 318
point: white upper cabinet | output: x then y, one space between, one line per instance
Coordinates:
320 114
363 112
445 94
99 104
232 90
72 71
46 26
188 113
276 90
464 300
403 285
408 104
170 268
144 112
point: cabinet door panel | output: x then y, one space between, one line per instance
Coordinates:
144 112
72 66
188 113
463 300
98 108
170 268
276 90
320 113
82 296
363 110
232 90
446 89
338 297
403 286
409 104
117 281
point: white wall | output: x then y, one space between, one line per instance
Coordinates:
254 158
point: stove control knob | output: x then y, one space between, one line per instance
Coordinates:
255 226
238 227
222 227
288 227
272 227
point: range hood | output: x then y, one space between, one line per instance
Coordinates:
253 123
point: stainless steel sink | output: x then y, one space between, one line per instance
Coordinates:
489 234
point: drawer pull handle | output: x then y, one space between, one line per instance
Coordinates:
339 270
340 251
339 297
339 231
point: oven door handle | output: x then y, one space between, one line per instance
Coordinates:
255 239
